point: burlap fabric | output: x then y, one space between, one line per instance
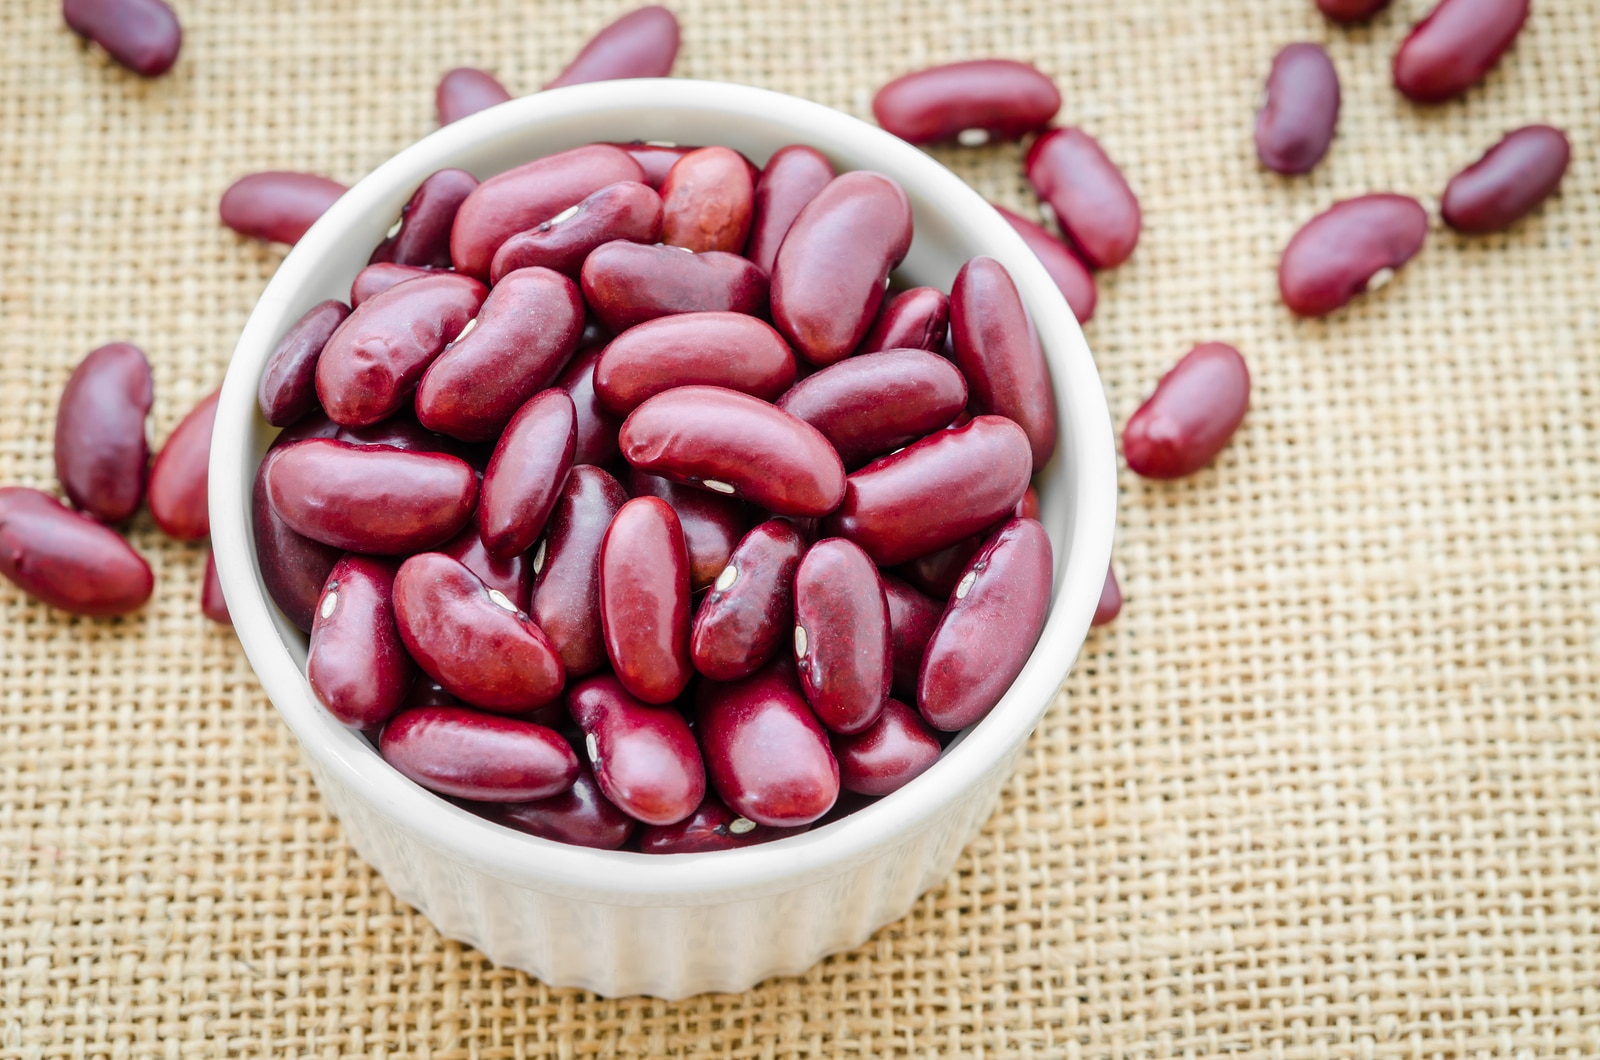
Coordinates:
1329 787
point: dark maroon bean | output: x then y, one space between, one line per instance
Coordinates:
178 495
422 235
792 177
712 524
712 826
917 319
357 666
735 444
212 604
288 391
469 755
1191 415
627 284
1351 10
526 473
512 577
1072 277
998 351
402 431
101 452
466 90
1091 199
989 628
426 692
371 499
937 573
581 816
597 428
655 157
749 613
1354 246
874 403
887 755
1455 46
1110 604
973 102
625 210
730 350
293 568
643 755
935 492
828 280
707 200
142 35
566 568
1028 506
841 635
376 279
1296 122
912 618
1509 182
644 599
642 43
66 559
525 197
277 206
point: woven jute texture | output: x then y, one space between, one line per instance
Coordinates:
1329 787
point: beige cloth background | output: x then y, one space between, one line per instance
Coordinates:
1330 786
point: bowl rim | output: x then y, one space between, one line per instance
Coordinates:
622 877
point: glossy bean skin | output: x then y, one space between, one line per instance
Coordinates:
790 179
566 567
373 361
423 238
1093 204
874 403
642 43
748 616
1351 10
712 524
889 754
142 35
460 752
376 279
581 816
998 351
644 756
371 499
212 604
917 319
1509 182
644 599
66 559
626 284
597 428
731 350
466 90
626 210
655 158
1455 46
512 576
841 635
913 615
1110 603
101 454
357 666
288 390
277 206
989 627
528 195
1296 123
935 492
745 447
526 332
526 473
828 278
1191 415
293 567
1338 252
707 201
1072 277
178 494
937 573
481 649
710 827
974 102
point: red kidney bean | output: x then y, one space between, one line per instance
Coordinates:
917 319
644 599
422 235
1028 506
469 755
100 449
277 206
1351 10
178 495
972 102
997 350
989 627
212 604
644 756
792 177
912 618
642 43
288 391
525 197
730 350
68 560
746 617
887 755
402 431
712 524
293 568
371 499
712 826
512 577
1072 277
935 492
626 210
526 473
1091 199
841 635
1110 604
1455 46
566 568
873 403
766 756
466 90
597 428
376 279
142 35
526 332
707 199
828 280
1191 415
581 816
627 284
357 666
1339 253
1296 123
1509 182
655 157
735 444
937 573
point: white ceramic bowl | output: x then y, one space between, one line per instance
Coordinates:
623 923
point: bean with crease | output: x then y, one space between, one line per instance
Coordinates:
422 235
707 201
917 319
626 210
101 454
288 391
512 576
566 568
748 615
